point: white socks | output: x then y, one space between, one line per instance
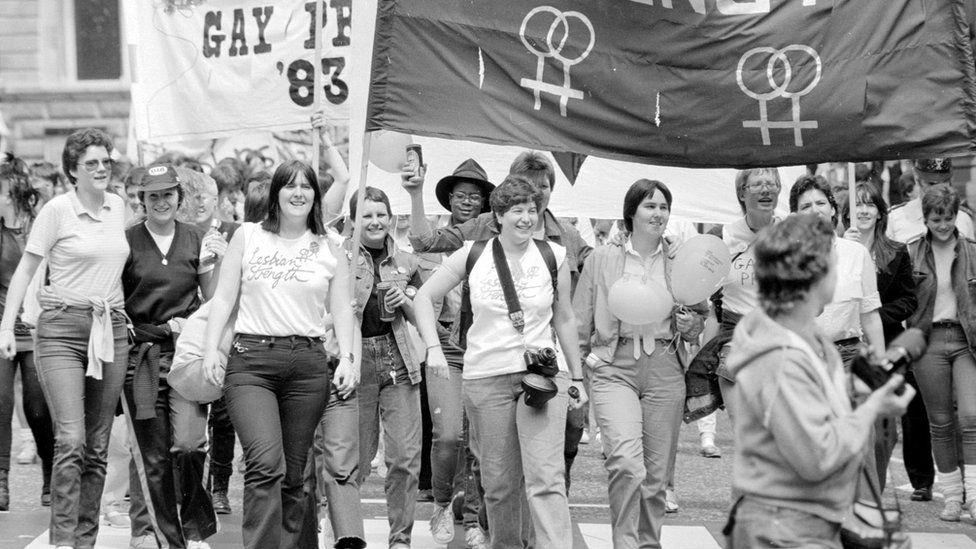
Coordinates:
952 485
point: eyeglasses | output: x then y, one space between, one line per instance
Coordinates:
756 186
92 165
467 197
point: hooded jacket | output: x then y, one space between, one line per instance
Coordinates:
798 444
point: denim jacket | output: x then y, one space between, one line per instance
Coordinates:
963 284
599 330
400 267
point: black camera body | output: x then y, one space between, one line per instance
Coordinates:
538 384
901 353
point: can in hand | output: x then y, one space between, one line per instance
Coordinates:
415 154
382 288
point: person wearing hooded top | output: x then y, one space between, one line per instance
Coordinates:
799 446
465 193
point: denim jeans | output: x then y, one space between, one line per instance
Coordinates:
761 526
385 393
447 416
332 472
946 373
638 408
276 389
520 450
169 454
222 439
83 409
35 408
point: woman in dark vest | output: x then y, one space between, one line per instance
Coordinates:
161 280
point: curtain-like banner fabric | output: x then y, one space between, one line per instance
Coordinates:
222 67
698 83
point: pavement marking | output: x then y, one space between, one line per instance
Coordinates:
942 541
597 536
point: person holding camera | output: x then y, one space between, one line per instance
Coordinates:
636 372
517 388
945 266
799 447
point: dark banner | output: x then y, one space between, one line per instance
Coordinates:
701 83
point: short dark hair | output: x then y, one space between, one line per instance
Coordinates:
940 200
742 176
534 166
256 202
791 256
285 174
807 183
515 189
637 193
373 195
76 145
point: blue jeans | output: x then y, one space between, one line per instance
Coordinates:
761 526
83 409
385 392
276 389
520 450
638 408
946 373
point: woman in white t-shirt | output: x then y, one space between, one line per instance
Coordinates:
286 276
514 442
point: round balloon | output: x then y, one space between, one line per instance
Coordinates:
699 267
636 301
388 150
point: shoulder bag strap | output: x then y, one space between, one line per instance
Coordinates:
550 258
508 287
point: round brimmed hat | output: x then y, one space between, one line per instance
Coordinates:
159 177
468 172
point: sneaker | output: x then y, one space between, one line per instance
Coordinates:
147 541
116 519
709 450
442 525
326 535
399 545
970 508
197 544
671 502
425 496
922 494
585 439
221 505
475 538
951 511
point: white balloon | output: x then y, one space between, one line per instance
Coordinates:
388 150
638 302
699 267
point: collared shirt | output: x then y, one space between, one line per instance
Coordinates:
906 222
856 292
86 250
650 269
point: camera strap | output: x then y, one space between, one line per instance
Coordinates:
515 313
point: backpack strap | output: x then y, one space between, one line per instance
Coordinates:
550 258
466 316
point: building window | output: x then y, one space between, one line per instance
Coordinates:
98 39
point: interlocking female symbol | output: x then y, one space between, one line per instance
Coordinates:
554 51
778 57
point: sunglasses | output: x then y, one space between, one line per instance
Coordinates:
91 166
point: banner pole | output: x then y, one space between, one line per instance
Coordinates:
851 196
317 90
357 232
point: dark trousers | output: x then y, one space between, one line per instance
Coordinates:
222 440
35 408
169 453
917 440
276 390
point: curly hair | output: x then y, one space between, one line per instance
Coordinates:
515 189
791 257
76 145
23 195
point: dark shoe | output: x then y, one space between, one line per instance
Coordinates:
4 492
922 494
46 496
425 496
221 505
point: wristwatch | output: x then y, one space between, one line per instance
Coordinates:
349 356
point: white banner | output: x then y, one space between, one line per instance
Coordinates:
222 67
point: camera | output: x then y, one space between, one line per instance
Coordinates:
538 384
903 351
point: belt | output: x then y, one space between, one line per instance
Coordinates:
848 341
271 340
947 324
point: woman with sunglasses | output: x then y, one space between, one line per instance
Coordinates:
82 344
